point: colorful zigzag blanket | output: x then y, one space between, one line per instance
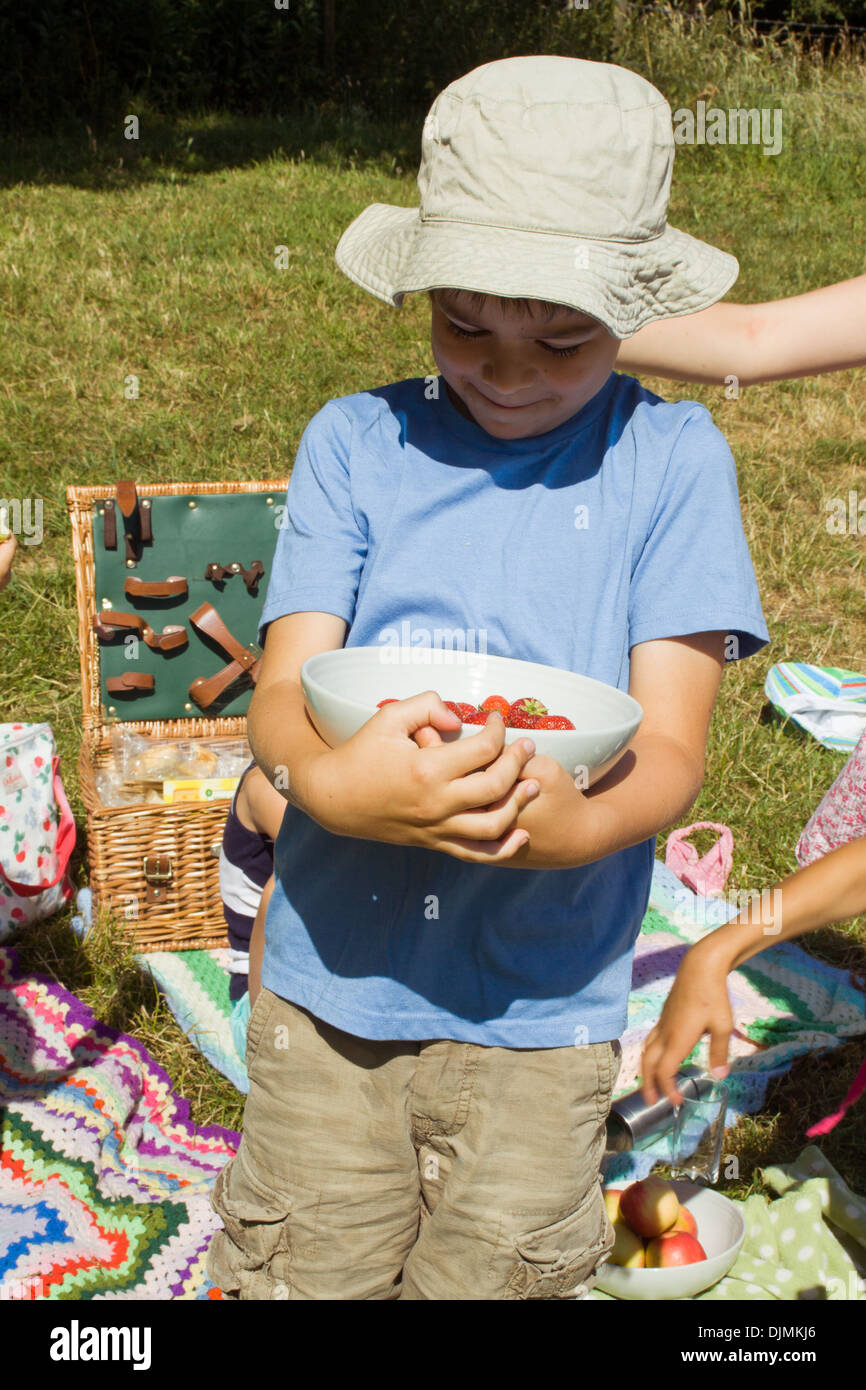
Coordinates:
104 1181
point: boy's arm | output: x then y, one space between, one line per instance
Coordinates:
822 331
283 739
657 779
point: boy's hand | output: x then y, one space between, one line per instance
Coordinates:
698 1003
462 798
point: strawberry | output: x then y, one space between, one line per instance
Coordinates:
525 713
386 702
554 721
461 708
496 702
477 716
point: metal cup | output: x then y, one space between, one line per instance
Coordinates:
632 1122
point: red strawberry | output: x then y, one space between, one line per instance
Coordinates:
387 702
496 702
476 716
461 709
525 713
21 856
554 721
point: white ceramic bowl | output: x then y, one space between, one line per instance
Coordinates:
721 1231
343 688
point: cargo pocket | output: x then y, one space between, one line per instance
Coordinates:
261 1012
609 1062
264 1231
560 1260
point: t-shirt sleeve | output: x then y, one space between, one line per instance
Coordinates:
694 572
321 547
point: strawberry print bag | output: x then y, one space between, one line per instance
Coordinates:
840 815
37 828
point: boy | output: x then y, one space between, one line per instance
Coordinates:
434 1049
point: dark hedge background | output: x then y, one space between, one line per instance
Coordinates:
88 61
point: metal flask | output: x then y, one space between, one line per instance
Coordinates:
631 1121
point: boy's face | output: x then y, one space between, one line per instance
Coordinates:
518 376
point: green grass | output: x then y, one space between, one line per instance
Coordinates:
163 266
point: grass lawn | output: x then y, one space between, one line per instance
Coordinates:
158 259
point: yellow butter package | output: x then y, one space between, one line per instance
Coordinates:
199 789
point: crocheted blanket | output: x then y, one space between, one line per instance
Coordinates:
104 1181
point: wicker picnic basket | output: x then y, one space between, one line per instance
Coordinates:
155 865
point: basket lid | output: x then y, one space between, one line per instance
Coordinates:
168 559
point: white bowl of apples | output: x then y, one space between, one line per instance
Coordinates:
673 1239
345 687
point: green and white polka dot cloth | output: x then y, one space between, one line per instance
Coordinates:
810 1242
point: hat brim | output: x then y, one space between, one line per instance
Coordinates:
390 252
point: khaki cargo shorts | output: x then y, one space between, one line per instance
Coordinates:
432 1170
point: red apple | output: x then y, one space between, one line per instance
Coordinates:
650 1206
628 1249
673 1248
686 1222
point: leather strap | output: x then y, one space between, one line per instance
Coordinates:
168 640
127 499
136 519
135 514
109 526
251 576
173 587
130 680
108 623
206 690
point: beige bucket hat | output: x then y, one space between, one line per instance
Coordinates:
546 178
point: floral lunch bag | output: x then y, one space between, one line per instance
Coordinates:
37 828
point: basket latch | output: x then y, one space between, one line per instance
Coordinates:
157 869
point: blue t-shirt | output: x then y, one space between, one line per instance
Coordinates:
402 516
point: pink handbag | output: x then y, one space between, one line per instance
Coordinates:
709 874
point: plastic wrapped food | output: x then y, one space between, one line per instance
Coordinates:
146 759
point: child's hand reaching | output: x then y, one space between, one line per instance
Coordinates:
698 1003
7 555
